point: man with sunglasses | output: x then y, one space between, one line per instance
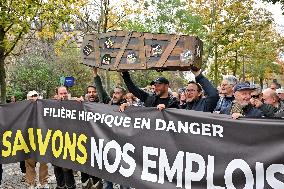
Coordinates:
195 98
271 106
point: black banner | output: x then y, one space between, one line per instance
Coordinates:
145 148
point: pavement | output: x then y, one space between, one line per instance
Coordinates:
12 177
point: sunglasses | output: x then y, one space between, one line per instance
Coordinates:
255 96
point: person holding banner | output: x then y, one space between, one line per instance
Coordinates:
87 180
241 106
64 176
161 99
117 99
194 94
226 92
31 163
271 105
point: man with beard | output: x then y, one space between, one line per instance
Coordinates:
117 96
98 94
241 106
195 99
161 98
64 176
87 180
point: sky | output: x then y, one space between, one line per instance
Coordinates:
277 13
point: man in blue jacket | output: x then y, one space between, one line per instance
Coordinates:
227 92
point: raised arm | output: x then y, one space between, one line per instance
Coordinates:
103 96
142 95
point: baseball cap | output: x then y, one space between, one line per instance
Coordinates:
32 93
160 80
280 91
243 86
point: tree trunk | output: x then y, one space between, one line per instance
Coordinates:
2 66
236 64
215 65
261 82
244 71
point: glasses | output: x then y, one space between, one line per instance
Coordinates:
255 96
35 95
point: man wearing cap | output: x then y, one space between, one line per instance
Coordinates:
161 99
195 99
241 106
31 163
280 93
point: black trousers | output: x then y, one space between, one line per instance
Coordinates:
85 177
23 166
64 177
1 171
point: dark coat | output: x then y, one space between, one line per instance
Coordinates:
207 104
150 100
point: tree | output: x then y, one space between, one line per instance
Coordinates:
19 17
33 72
70 64
232 43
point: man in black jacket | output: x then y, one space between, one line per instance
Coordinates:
64 176
161 99
194 94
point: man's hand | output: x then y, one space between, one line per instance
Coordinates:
81 99
160 107
236 115
196 73
95 71
256 102
123 106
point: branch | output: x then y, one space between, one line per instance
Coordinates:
8 28
14 43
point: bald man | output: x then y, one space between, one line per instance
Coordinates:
271 105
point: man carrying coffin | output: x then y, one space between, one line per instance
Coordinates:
161 98
201 95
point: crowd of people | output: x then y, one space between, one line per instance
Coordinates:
237 99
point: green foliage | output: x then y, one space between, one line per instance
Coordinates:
17 18
34 73
69 64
